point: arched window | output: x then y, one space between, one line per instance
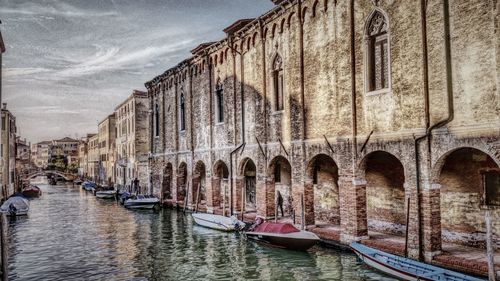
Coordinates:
157 121
182 112
377 50
278 82
219 99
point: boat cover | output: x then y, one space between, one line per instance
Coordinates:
273 227
20 202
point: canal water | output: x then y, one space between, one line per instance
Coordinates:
72 235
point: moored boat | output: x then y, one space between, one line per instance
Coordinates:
16 205
142 202
32 191
106 194
404 268
123 196
282 235
88 185
78 181
218 222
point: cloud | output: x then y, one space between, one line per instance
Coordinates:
114 58
56 9
23 71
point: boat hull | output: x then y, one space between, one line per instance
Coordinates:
31 193
146 206
216 222
292 241
105 195
404 268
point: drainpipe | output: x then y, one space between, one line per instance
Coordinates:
242 97
353 91
302 81
264 78
451 113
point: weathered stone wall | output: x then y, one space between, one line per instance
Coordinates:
352 190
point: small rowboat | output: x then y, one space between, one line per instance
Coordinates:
283 235
32 191
404 268
105 194
218 222
16 205
142 202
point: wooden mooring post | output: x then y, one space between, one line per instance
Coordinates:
4 247
489 247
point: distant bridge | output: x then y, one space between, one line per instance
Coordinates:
66 176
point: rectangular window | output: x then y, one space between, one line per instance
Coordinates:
491 185
3 123
220 106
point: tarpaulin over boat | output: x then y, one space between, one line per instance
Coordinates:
272 227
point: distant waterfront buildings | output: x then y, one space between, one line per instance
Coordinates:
132 142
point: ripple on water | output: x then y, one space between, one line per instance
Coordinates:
71 235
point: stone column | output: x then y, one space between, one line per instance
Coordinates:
309 215
262 197
239 184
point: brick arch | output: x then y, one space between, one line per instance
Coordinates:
247 183
290 18
182 178
385 194
437 166
219 195
460 194
321 190
166 185
279 179
199 177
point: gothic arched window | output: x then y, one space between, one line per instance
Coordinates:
377 50
219 102
278 82
182 112
157 120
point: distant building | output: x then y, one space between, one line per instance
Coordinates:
93 162
106 136
24 164
83 160
131 141
40 153
8 151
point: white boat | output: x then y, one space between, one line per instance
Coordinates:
142 202
404 268
106 194
15 206
218 222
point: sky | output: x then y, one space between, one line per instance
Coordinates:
69 63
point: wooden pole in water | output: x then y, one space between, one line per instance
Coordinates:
3 241
275 206
243 195
489 247
407 225
197 198
303 216
186 198
223 197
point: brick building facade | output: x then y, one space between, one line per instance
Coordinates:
354 106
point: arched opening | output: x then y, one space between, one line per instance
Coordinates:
199 184
249 186
220 187
469 178
181 183
281 186
166 187
323 174
385 193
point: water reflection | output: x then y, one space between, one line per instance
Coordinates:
71 235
